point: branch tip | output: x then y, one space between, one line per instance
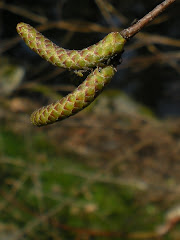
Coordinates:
134 29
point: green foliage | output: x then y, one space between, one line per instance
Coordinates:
45 183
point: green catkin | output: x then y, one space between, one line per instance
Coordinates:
74 102
97 55
90 57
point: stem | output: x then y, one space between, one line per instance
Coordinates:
134 29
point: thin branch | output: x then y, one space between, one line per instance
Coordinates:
23 12
134 29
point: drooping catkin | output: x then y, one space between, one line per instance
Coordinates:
74 102
90 57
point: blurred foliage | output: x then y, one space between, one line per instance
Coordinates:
35 182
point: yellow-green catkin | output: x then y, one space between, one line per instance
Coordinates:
74 102
90 57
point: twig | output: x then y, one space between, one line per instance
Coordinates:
112 10
134 29
103 8
87 27
101 233
23 12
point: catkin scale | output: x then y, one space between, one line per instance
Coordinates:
90 57
74 102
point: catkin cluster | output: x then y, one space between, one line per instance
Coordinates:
96 55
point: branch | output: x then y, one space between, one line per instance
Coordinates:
103 55
134 29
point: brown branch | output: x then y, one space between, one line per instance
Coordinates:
134 29
102 233
23 12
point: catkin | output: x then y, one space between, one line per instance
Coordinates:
74 102
90 57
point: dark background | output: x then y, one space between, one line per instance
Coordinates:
155 83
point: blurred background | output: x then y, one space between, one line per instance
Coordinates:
112 170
